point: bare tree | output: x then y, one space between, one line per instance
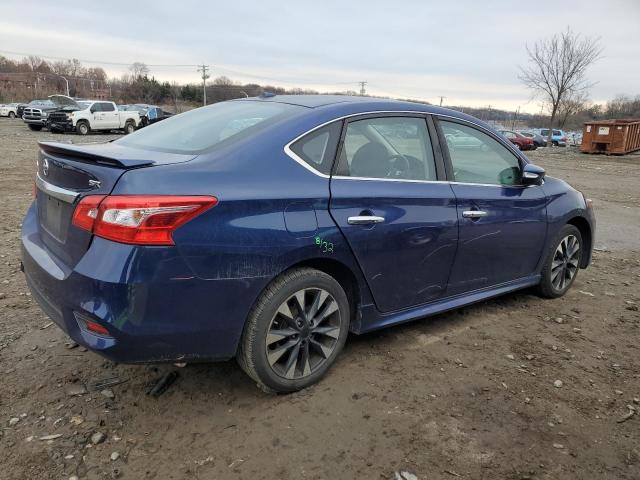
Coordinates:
223 81
138 70
571 104
175 94
557 68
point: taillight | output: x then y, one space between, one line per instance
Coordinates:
139 219
85 214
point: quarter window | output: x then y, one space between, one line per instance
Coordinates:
318 148
388 148
478 158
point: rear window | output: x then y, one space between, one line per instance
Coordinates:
202 129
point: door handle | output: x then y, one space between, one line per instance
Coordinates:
474 214
364 220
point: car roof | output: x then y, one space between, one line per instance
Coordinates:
343 105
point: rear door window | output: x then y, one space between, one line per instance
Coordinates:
394 148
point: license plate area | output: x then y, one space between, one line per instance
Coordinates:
55 216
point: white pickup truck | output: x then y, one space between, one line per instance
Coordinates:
9 110
83 116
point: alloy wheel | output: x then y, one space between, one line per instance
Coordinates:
565 262
303 333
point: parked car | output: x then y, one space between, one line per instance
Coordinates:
83 116
148 113
20 109
9 110
574 138
558 137
268 228
520 141
457 139
538 140
36 113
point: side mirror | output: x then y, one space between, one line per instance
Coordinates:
93 109
532 174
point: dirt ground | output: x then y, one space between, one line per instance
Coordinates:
468 394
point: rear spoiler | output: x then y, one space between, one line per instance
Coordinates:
107 154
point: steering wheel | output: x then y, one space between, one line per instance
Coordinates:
399 166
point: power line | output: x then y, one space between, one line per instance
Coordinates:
99 62
362 90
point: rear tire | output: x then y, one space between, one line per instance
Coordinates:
563 258
82 128
35 128
295 331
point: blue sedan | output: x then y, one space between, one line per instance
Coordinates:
267 229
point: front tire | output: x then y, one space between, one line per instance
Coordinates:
12 115
295 331
129 128
562 263
35 128
82 128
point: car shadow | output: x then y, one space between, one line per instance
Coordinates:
227 378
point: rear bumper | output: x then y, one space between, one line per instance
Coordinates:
153 306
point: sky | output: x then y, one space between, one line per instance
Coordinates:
467 51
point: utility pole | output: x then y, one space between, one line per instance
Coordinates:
441 98
515 118
203 69
362 90
67 82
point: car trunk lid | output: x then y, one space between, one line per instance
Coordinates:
67 173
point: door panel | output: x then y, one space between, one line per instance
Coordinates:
407 258
503 245
110 117
399 221
502 224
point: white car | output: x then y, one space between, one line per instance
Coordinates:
83 116
9 110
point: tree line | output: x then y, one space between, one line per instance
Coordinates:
33 77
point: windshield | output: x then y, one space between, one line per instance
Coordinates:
84 105
44 103
132 108
203 128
